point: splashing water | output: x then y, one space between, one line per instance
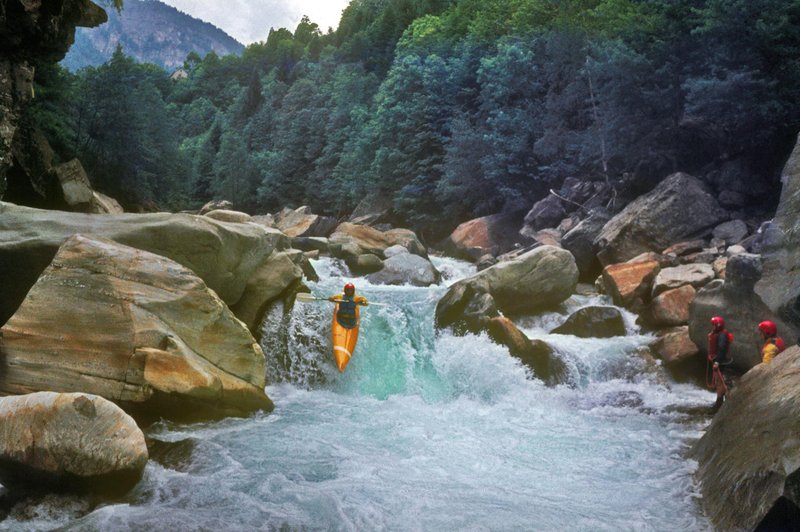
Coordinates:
427 432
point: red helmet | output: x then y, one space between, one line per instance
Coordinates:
349 289
718 323
768 328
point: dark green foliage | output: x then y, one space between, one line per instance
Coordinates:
450 108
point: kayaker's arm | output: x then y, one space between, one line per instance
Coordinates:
362 301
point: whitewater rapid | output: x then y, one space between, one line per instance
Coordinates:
423 432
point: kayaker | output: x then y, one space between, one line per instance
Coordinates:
346 316
773 344
719 343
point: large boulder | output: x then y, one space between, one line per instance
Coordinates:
580 242
270 280
350 237
224 255
593 322
302 222
539 279
735 300
749 457
629 284
135 328
547 212
406 269
493 235
75 186
671 308
696 275
73 441
780 283
679 208
731 232
675 346
365 264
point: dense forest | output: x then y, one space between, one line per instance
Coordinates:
450 108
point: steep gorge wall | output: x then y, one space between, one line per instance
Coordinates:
32 31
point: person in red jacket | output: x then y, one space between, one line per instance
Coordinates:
719 343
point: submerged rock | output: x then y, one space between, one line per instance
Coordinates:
749 457
594 322
536 354
69 441
135 328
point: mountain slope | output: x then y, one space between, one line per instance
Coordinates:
152 32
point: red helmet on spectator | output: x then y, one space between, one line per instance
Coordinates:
349 289
718 323
768 328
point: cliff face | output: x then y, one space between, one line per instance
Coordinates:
32 31
780 284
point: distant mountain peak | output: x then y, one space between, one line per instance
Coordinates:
152 32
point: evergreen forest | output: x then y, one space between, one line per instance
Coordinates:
451 109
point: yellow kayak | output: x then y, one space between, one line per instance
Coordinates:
344 340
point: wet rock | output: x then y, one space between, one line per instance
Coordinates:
594 322
74 441
235 217
672 306
679 208
132 327
486 261
696 275
630 284
406 269
539 279
675 346
365 264
750 452
223 255
277 274
493 235
731 232
175 455
536 354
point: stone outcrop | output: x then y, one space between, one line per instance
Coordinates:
352 240
406 268
73 441
779 286
749 457
234 217
135 328
492 235
31 32
301 222
539 279
224 255
270 281
593 322
679 208
735 300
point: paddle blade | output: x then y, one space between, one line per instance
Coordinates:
307 298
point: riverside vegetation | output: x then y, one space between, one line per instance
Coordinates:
642 146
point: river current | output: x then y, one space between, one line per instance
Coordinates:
423 432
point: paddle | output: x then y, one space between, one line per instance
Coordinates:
308 298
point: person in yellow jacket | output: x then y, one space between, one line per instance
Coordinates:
346 316
773 344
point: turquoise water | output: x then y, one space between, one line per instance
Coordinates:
425 433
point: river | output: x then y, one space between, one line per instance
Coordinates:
423 432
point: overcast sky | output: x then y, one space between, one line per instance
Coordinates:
249 21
